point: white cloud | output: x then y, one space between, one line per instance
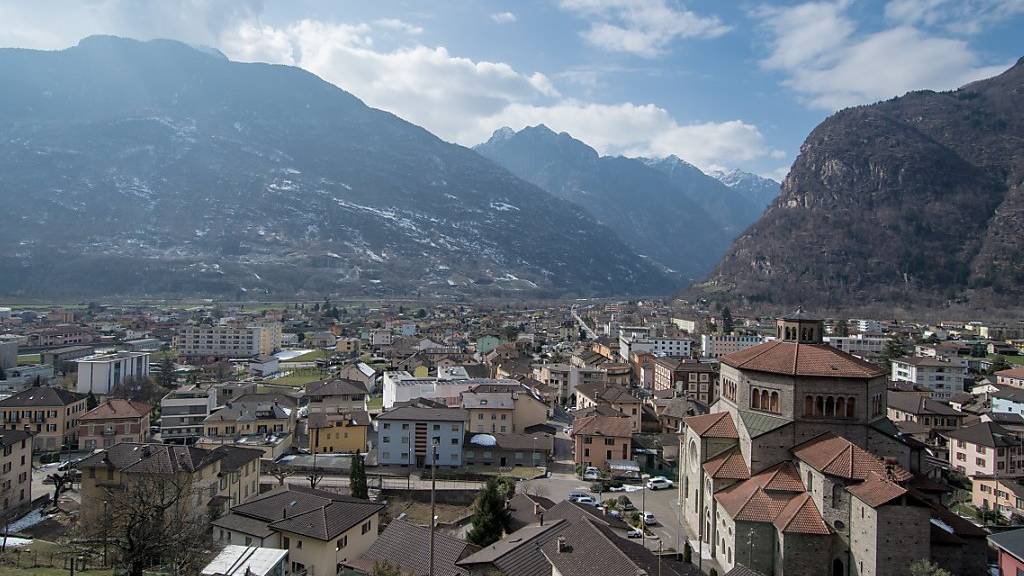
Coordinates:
398 26
956 16
503 17
635 130
824 59
641 27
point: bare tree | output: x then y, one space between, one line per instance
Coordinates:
278 471
61 480
154 520
138 389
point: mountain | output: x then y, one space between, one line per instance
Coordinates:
917 200
757 189
155 168
667 210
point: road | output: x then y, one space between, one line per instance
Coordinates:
586 329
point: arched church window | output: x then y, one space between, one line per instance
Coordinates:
840 407
764 400
808 405
774 402
755 399
819 406
850 412
830 407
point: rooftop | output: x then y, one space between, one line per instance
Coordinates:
798 359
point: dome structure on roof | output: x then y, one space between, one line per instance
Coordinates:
483 440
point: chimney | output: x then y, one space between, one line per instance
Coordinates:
284 513
541 518
563 547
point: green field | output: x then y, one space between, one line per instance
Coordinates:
1015 360
373 404
299 377
27 359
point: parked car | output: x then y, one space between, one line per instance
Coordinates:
635 533
586 501
659 483
626 504
648 518
591 473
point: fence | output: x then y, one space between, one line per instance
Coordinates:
26 559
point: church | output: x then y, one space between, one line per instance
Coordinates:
797 470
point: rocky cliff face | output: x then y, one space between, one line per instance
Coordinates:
918 200
153 168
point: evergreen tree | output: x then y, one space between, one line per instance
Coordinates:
999 363
357 478
894 350
91 401
926 568
727 321
842 328
166 378
491 518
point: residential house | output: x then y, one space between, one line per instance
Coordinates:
338 433
1009 546
615 397
402 545
15 473
1013 377
361 372
504 406
322 531
986 449
686 377
507 450
239 476
114 421
244 417
51 414
599 439
1003 495
407 433
337 396
235 560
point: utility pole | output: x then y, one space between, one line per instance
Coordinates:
643 519
433 486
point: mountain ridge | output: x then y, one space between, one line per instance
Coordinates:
178 172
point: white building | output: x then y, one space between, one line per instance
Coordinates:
408 433
718 345
100 373
865 326
380 337
229 340
685 324
182 412
658 346
943 377
859 344
402 386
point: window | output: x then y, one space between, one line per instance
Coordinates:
810 482
979 461
437 426
342 542
385 439
609 441
387 426
455 441
366 526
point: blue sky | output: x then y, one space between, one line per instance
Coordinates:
721 84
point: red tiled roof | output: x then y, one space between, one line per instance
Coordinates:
795 359
117 408
729 465
1011 373
717 425
837 456
619 427
763 506
801 516
876 490
781 478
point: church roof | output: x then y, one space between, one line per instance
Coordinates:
717 425
801 516
837 456
796 359
729 465
775 495
876 490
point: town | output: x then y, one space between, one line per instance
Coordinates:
584 437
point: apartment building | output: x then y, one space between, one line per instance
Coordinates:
407 433
658 346
718 345
50 414
1013 377
564 378
336 396
600 439
229 340
338 432
101 373
183 412
941 376
986 449
246 416
64 335
860 345
114 421
1003 495
686 377
503 408
15 472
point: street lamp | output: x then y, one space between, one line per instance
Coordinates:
433 484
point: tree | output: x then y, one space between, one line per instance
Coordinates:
999 364
490 517
138 389
842 328
421 313
894 350
727 324
357 478
3 375
222 370
60 481
152 521
924 567
166 378
385 568
278 471
91 401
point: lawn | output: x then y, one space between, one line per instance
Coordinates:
1015 360
299 377
27 359
375 403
